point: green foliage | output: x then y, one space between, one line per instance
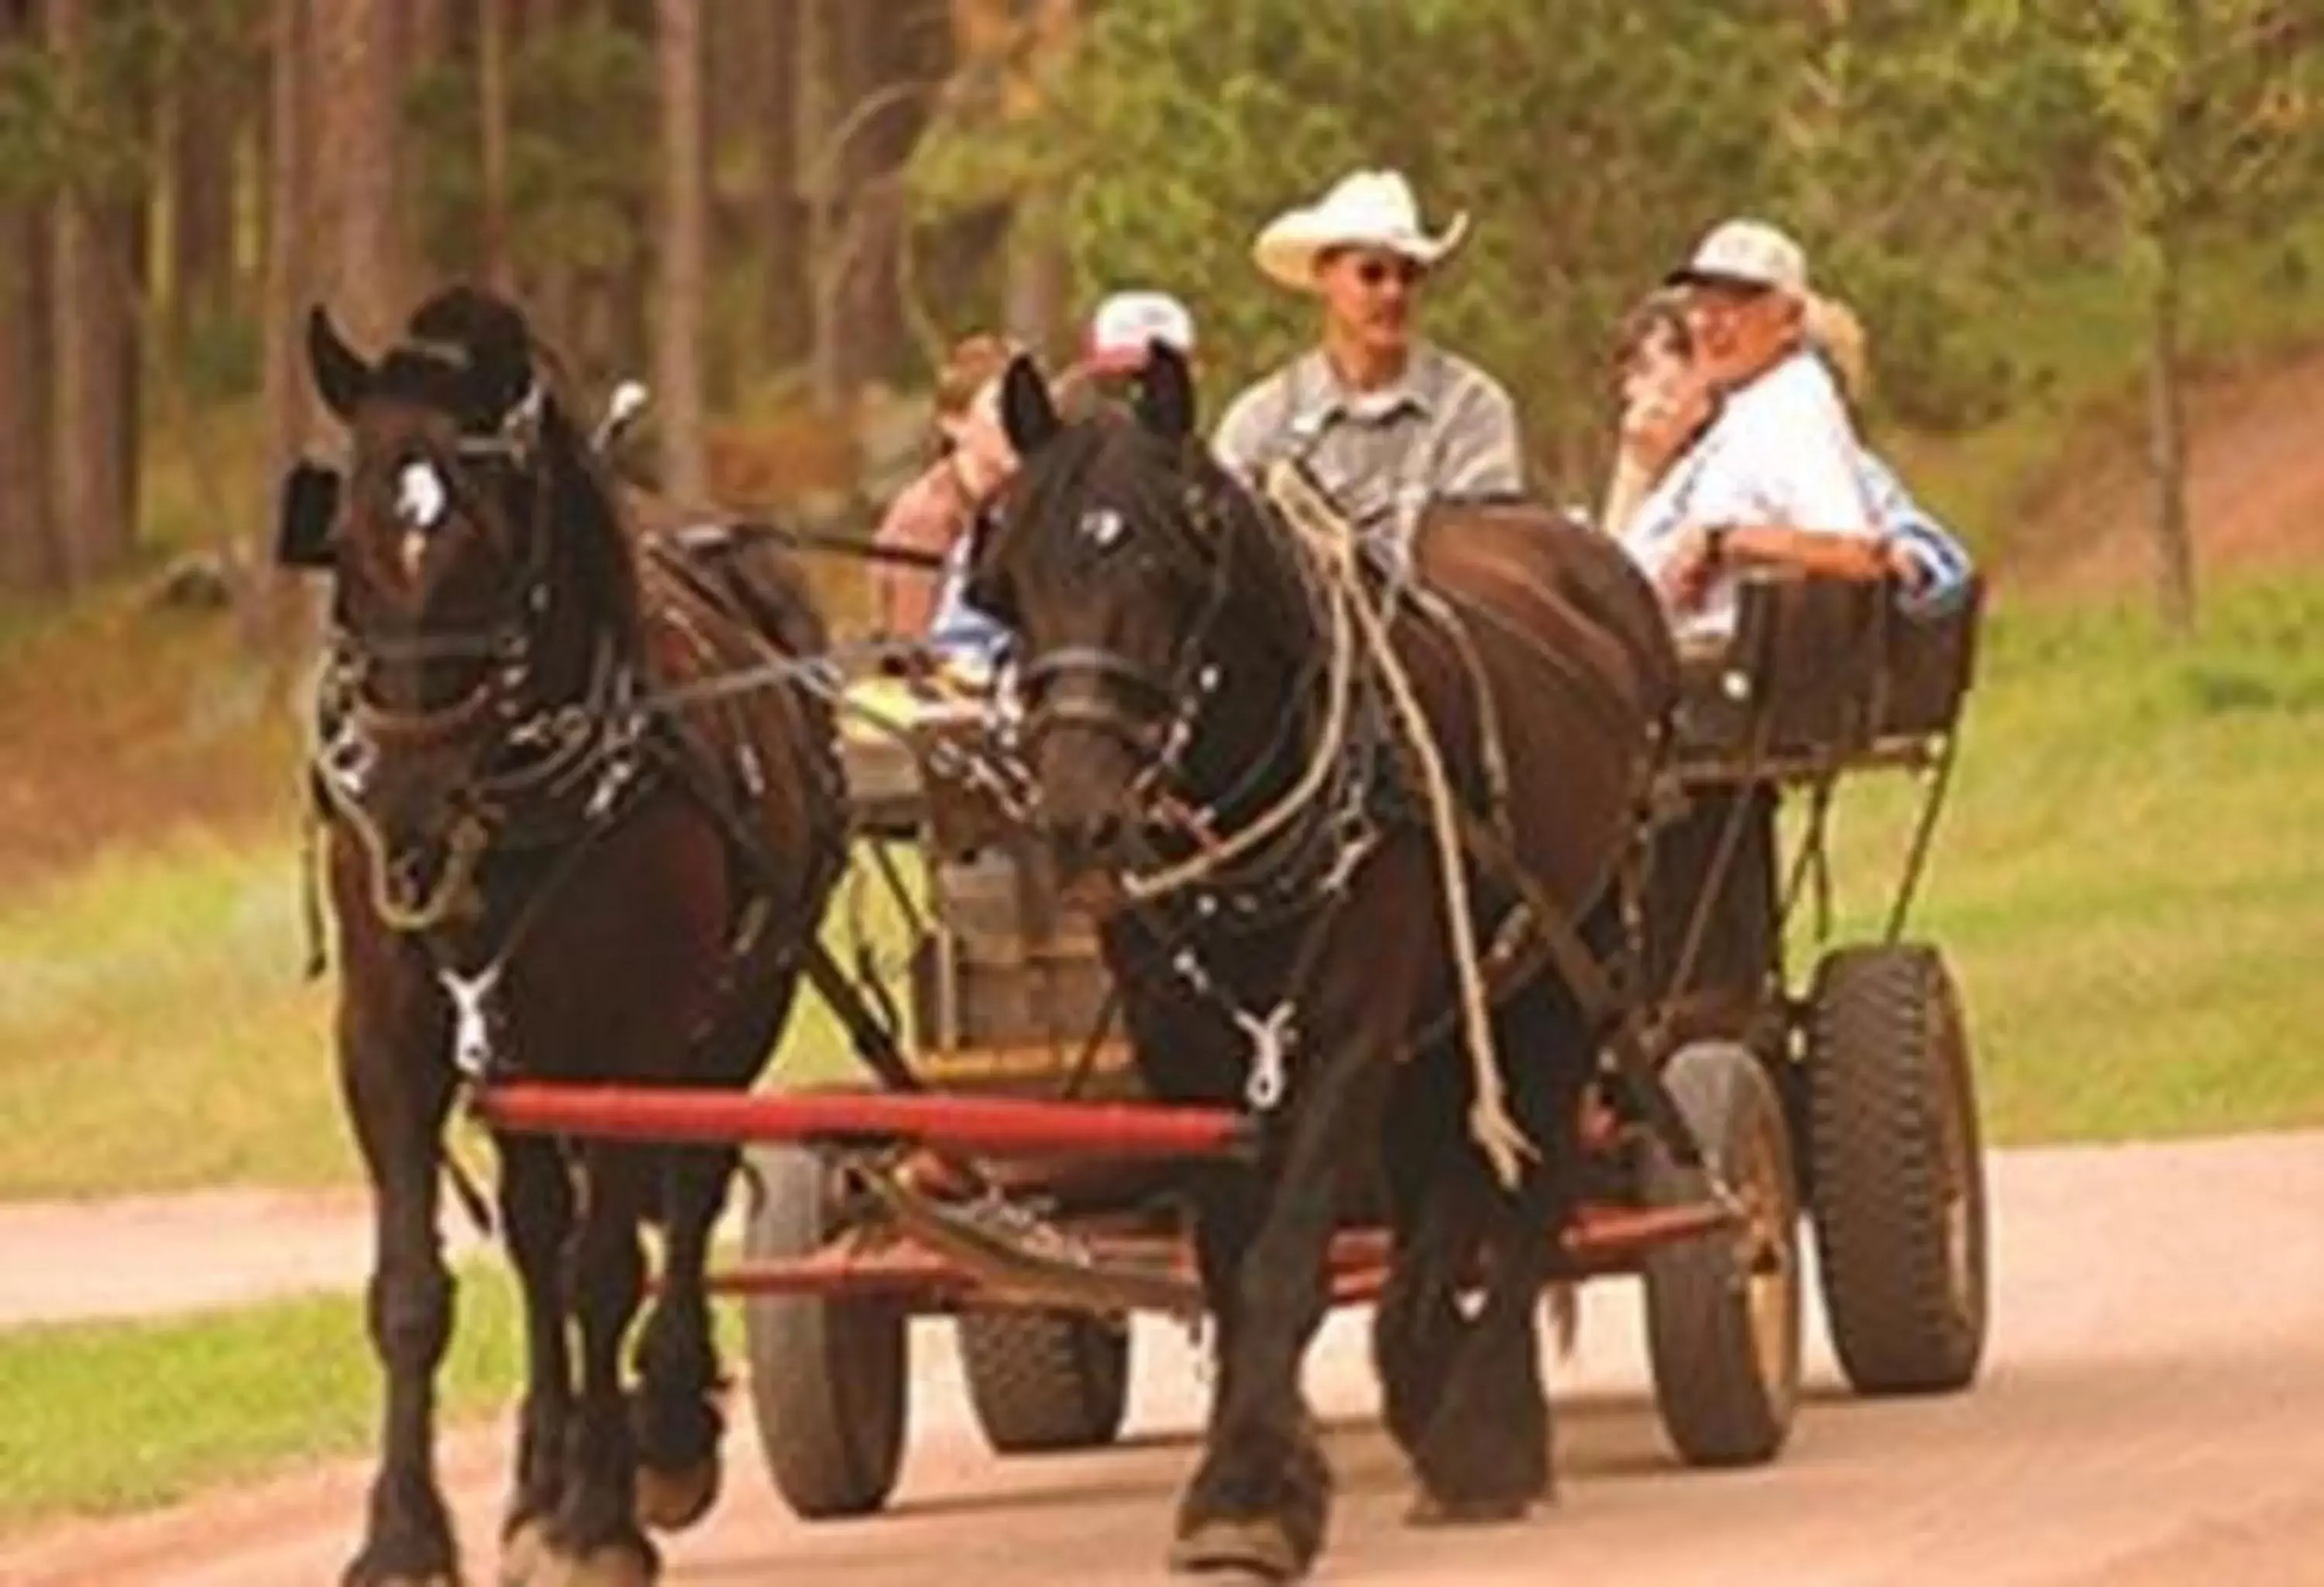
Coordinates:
85 124
1935 160
576 195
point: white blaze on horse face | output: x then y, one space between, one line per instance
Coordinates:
420 499
1103 528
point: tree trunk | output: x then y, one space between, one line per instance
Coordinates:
819 62
493 120
1039 277
289 393
29 558
357 266
205 131
785 309
682 273
89 355
2167 429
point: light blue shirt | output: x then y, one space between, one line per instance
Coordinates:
1944 564
959 630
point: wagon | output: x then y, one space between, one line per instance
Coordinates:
1004 1170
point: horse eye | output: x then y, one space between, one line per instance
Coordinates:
421 495
1103 528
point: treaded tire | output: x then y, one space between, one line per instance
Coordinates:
1900 1203
827 1377
1723 1310
1046 1380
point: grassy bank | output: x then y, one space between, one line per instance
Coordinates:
109 1417
2131 875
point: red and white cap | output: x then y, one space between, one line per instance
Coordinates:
1127 323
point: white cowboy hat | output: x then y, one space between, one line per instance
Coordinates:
1366 209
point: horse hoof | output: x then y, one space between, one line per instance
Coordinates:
671 1501
524 1554
1428 1511
1256 1548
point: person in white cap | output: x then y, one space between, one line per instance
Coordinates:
1125 328
1774 479
1386 421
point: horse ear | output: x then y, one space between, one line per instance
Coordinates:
1026 412
340 377
1165 392
310 505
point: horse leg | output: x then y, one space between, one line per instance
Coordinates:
1228 1205
1486 1452
397 1101
536 1204
674 1414
594 1540
1417 1327
1261 1496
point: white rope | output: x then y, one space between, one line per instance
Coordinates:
1145 887
1496 1134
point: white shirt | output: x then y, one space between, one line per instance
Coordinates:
1781 451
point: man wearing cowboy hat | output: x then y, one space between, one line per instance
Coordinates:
1387 423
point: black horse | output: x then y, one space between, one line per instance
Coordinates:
538 865
1213 748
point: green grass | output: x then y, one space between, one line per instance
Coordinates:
156 1032
2130 878
118 1416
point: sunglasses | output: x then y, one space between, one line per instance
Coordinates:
1378 271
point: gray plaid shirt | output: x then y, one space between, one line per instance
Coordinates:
1445 430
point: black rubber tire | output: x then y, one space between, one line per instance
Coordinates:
1899 1174
1043 1381
828 1379
1723 1328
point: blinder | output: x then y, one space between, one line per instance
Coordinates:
307 507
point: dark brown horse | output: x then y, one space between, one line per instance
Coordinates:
1281 933
539 865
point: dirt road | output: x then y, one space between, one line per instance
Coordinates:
163 1255
2149 1416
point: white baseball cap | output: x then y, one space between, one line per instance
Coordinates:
1127 324
1747 253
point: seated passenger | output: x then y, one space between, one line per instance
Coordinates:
1750 454
1936 579
1386 421
934 514
1121 337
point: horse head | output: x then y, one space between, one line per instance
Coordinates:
473 554
1155 609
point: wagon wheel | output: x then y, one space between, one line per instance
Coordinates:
1723 1310
827 1377
1046 1380
1899 1177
